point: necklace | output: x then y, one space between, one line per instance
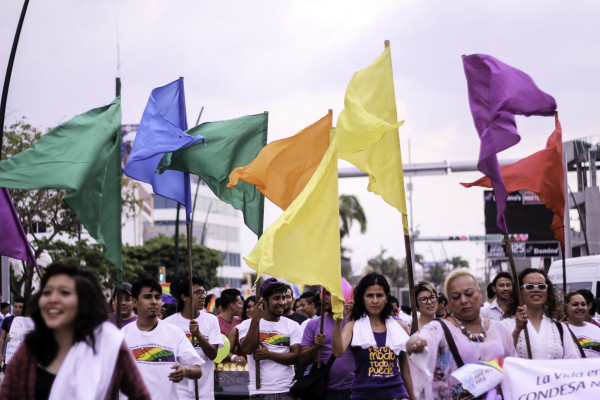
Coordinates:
474 337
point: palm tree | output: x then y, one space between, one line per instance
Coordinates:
458 262
350 211
436 274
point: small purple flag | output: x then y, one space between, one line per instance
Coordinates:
13 241
498 92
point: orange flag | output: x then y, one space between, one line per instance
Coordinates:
283 167
543 174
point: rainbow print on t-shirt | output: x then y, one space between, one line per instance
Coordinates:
153 354
275 339
589 344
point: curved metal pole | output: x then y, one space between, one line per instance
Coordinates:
11 61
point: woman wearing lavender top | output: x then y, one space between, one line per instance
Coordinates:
476 338
377 343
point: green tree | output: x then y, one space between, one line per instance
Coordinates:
143 261
392 268
436 275
458 262
350 211
43 214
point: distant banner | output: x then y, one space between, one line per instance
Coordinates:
20 327
551 379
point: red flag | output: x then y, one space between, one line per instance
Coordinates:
543 174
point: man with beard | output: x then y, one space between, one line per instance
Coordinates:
341 373
163 353
127 314
272 340
206 332
503 287
288 312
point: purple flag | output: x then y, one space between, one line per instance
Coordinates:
498 92
13 241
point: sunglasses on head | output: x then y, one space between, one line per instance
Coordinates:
530 287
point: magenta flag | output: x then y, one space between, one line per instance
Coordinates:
13 241
498 92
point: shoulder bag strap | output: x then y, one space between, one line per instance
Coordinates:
576 342
560 331
451 344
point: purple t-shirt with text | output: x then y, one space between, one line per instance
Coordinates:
341 373
377 374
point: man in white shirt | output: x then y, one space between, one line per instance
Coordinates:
502 285
272 340
206 332
163 354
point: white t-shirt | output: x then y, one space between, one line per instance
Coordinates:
156 351
277 337
209 328
589 339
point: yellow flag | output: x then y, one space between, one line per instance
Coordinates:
303 244
283 167
367 131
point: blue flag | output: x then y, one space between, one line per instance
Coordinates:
162 131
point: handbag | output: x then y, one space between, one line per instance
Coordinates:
313 385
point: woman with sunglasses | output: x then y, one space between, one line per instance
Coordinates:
548 338
427 303
464 337
586 334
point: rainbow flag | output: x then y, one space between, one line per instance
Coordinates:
210 306
167 297
297 288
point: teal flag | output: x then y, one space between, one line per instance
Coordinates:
229 144
82 155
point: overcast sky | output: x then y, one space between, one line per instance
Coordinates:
295 59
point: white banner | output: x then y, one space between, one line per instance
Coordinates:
551 379
20 327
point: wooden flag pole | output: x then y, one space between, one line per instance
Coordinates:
518 289
257 362
191 289
320 351
564 271
411 281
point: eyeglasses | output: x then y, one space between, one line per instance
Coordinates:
199 292
531 287
425 300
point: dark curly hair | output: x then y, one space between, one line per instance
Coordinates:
550 308
359 309
92 311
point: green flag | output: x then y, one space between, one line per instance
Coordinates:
82 155
229 144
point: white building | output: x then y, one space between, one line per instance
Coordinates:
215 224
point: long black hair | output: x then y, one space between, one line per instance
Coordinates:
359 309
248 300
92 310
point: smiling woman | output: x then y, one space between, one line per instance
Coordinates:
549 339
72 351
464 337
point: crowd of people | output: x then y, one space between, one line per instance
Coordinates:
79 348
